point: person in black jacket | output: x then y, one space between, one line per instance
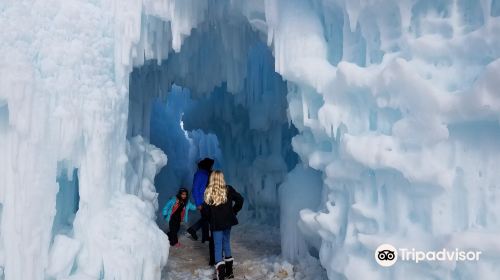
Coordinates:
219 210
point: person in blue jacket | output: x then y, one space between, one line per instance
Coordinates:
175 211
200 182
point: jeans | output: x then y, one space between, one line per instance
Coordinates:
222 244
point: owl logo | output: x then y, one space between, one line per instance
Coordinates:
386 255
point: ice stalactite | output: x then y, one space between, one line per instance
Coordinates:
301 189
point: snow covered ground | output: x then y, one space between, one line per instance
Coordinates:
256 249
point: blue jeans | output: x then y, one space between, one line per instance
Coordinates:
222 243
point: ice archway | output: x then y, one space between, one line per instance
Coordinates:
395 103
246 130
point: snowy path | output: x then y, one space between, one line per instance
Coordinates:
256 251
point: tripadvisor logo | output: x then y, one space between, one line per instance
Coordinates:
387 255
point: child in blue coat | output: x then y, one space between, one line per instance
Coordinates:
175 211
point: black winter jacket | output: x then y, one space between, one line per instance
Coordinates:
223 216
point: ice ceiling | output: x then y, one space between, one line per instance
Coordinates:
391 107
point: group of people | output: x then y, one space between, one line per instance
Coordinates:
218 204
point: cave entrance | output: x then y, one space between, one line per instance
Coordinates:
247 133
217 98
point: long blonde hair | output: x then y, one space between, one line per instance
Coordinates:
216 192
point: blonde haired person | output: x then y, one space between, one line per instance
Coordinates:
221 204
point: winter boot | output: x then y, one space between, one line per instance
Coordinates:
229 267
220 271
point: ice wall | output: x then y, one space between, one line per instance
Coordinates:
61 102
301 189
56 76
391 127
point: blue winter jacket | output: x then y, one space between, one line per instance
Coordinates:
167 210
200 182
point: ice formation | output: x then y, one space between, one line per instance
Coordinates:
387 109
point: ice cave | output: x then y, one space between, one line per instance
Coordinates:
347 125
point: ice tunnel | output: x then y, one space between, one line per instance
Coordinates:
247 130
345 125
240 120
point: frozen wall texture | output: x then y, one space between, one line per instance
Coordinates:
396 105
